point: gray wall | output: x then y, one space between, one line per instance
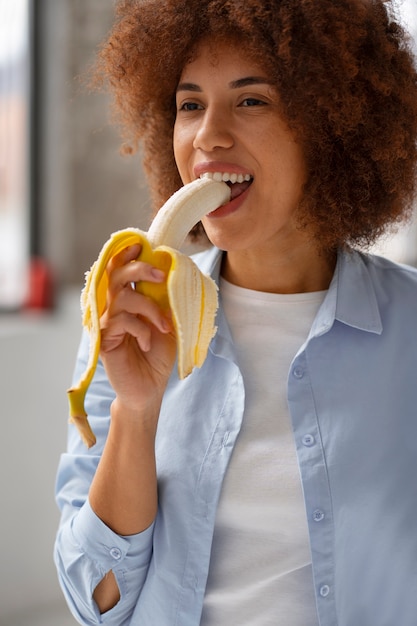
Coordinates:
88 189
36 356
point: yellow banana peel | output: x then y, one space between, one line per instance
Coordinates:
188 293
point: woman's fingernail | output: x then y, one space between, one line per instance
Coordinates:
135 248
167 324
157 274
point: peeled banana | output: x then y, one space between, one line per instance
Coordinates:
188 293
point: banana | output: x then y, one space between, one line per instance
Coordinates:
188 293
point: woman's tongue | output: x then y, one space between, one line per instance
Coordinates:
238 188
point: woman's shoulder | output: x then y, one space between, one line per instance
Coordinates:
392 270
393 281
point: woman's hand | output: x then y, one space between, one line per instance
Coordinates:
138 348
138 343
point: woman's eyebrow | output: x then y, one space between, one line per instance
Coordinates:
248 81
188 87
234 84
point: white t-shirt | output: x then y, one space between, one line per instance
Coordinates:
260 569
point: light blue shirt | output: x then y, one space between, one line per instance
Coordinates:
352 394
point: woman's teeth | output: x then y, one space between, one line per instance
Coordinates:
226 177
238 183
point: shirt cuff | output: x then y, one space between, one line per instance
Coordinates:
108 549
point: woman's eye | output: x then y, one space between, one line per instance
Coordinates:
190 106
252 102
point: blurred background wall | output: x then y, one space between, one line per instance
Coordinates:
86 191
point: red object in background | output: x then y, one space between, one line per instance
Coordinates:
40 286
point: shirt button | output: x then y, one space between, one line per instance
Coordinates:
298 372
318 516
116 554
324 591
308 441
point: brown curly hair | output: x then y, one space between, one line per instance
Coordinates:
344 71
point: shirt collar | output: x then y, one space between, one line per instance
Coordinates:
209 261
350 299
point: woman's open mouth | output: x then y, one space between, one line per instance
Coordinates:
239 186
238 183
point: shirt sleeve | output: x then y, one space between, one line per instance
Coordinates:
85 548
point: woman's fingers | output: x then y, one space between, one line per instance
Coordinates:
129 312
136 304
134 272
127 255
114 333
123 270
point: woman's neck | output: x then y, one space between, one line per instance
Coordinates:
299 270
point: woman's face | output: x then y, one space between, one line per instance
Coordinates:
229 124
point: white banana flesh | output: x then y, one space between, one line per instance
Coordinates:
186 206
188 293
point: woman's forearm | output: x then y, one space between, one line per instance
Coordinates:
123 493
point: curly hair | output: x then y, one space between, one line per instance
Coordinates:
346 76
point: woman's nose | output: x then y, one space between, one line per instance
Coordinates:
213 132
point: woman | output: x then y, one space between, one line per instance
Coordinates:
275 484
